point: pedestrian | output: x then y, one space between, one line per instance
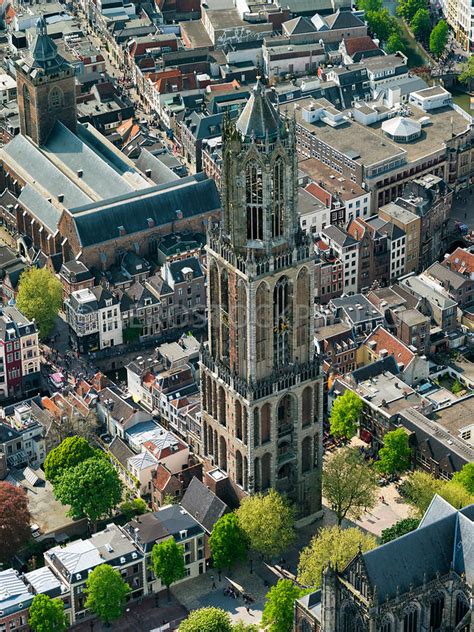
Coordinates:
213 582
219 572
247 608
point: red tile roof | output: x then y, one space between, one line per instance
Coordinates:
359 44
385 341
460 261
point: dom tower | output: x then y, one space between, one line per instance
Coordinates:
261 384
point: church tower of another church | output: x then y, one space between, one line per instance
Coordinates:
261 379
46 88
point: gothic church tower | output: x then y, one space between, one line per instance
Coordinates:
261 380
46 88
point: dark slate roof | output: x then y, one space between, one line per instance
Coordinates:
39 206
188 197
159 525
120 450
102 295
202 126
299 25
44 52
259 117
339 236
155 168
138 293
203 504
343 20
419 556
376 368
176 268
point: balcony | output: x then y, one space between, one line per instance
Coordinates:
280 379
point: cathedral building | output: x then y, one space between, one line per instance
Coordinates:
420 582
261 379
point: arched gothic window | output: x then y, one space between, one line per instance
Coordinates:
254 198
278 195
436 611
410 619
56 98
281 322
462 608
27 109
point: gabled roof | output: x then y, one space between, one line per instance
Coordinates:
360 45
381 340
299 25
343 20
201 503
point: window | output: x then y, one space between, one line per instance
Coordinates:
56 98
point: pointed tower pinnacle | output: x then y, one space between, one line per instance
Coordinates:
259 117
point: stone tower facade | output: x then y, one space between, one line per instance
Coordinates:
261 380
46 89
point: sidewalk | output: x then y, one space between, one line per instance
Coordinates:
141 617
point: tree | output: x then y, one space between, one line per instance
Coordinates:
228 543
14 520
267 521
398 529
40 296
47 615
345 413
92 488
456 494
135 507
408 8
207 620
349 484
439 38
466 477
278 612
168 562
67 455
467 71
456 388
241 626
395 456
394 44
170 499
421 24
380 23
106 593
419 489
369 5
331 544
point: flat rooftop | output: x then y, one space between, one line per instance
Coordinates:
457 416
372 146
321 174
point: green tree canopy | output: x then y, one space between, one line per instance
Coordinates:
278 612
68 454
439 38
398 529
92 489
421 24
419 489
466 477
168 562
349 484
381 23
456 494
345 413
369 5
47 615
135 507
40 296
228 543
331 544
467 71
268 522
408 8
241 626
394 44
395 456
207 620
14 520
106 593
